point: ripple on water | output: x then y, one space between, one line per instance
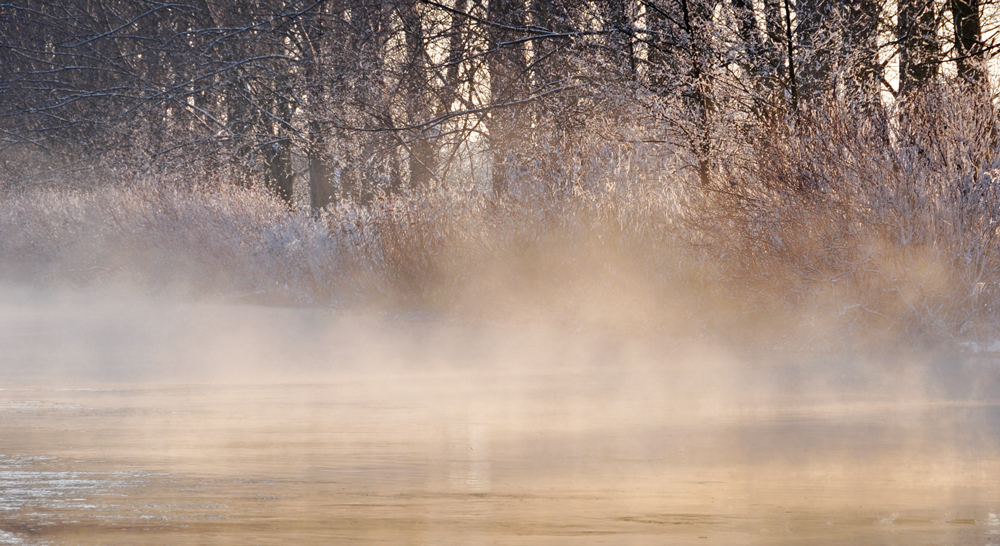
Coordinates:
10 539
36 490
36 405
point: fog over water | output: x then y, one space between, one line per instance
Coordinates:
128 419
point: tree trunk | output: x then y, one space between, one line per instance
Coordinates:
456 53
762 60
816 40
863 73
322 186
507 66
619 16
697 16
968 40
278 156
919 50
680 59
774 26
422 152
551 71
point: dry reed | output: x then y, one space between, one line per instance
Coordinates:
839 226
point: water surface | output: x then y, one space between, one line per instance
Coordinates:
140 421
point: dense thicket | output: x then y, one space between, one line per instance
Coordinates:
356 98
819 153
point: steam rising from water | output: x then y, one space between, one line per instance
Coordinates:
129 419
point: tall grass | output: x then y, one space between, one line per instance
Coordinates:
837 227
879 226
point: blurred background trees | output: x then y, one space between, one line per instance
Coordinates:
323 101
832 159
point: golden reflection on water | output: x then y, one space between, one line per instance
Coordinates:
143 421
464 456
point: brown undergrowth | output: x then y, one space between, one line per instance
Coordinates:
839 227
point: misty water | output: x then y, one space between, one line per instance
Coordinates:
139 420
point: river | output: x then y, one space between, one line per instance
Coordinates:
139 420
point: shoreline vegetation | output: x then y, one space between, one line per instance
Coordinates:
792 174
887 246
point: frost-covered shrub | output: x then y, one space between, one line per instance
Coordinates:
834 227
884 227
199 239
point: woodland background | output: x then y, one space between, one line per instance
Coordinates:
793 172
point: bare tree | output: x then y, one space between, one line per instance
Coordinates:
508 70
919 50
968 40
